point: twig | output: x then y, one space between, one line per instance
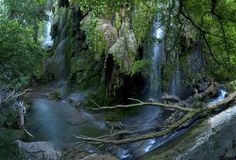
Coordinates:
28 133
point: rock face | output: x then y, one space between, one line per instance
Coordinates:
123 52
212 139
38 150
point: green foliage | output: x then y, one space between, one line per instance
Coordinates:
20 57
84 72
95 36
140 66
216 19
231 86
9 150
29 13
143 16
8 117
56 95
26 11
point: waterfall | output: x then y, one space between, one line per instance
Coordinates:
176 79
48 41
156 59
150 115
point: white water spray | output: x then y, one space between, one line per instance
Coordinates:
48 41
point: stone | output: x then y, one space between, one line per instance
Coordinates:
170 98
38 150
124 52
99 157
101 37
212 139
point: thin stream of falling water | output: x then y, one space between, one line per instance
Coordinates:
149 114
48 41
176 79
156 59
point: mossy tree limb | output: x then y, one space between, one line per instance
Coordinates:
198 112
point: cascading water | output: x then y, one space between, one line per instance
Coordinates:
221 96
176 79
156 59
149 114
48 41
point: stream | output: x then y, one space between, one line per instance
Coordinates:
57 121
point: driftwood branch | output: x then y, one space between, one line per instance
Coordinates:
183 122
13 96
167 131
141 103
11 99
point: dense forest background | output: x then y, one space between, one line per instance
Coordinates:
91 28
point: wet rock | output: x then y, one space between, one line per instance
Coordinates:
77 98
212 139
38 150
124 51
106 34
170 98
56 95
211 90
62 91
99 157
175 116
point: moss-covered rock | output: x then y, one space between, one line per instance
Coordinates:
100 34
56 95
8 149
124 52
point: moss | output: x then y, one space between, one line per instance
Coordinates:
117 115
144 14
100 96
168 73
118 21
100 35
63 17
56 95
231 86
140 66
8 117
8 149
168 152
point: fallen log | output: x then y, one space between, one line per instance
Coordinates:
167 131
197 112
226 101
141 103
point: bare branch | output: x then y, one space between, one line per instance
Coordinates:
183 122
140 103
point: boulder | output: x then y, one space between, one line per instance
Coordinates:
38 150
212 139
124 52
170 98
101 35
